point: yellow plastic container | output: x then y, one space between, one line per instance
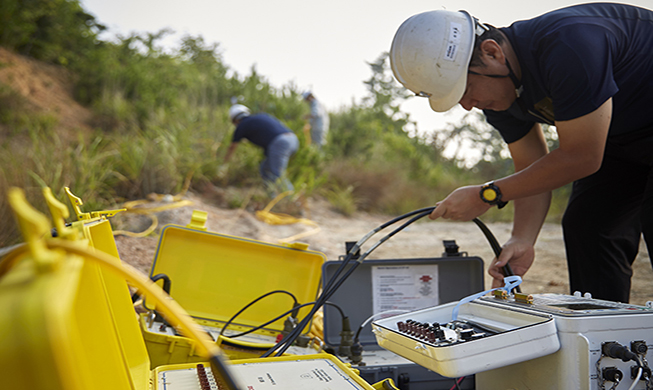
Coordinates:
64 322
213 276
165 349
316 372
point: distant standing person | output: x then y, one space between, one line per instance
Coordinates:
278 142
319 120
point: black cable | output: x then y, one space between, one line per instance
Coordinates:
496 247
360 242
226 377
280 316
458 383
167 285
328 290
333 285
358 332
342 313
253 302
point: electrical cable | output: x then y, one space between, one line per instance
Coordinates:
328 290
370 318
253 302
360 242
280 316
457 383
8 261
342 313
496 248
639 375
333 285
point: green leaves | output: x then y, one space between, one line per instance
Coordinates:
56 31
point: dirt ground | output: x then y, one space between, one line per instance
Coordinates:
327 231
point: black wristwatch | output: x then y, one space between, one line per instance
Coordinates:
491 194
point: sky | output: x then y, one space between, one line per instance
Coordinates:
322 46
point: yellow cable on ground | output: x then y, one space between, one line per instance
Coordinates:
132 208
271 218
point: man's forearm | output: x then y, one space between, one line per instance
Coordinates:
530 214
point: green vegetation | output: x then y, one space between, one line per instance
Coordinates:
161 123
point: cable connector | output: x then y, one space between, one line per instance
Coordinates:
612 374
346 338
288 325
639 347
645 376
357 353
617 351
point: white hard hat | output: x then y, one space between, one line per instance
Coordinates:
430 55
238 111
306 94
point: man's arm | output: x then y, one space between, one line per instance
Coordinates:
530 212
230 151
582 143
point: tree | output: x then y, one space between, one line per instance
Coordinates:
56 31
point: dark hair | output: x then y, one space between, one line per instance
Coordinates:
492 33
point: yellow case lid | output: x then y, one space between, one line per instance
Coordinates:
213 276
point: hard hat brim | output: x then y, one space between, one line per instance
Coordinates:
448 102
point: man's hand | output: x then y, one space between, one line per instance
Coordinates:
519 253
463 204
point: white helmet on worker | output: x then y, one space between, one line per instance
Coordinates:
430 55
238 112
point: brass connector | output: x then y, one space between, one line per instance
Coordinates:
500 294
524 298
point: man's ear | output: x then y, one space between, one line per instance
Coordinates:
492 51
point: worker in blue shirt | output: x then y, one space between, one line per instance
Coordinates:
278 142
587 70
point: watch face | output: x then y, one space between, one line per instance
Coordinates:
489 194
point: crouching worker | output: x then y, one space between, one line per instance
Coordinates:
278 142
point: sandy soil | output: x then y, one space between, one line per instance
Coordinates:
327 231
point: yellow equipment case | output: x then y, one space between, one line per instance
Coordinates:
214 276
67 322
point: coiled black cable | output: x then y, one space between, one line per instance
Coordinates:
335 282
253 302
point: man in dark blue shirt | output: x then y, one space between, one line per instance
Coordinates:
278 142
587 70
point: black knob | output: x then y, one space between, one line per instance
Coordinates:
612 374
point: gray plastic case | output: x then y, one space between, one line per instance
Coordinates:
458 276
